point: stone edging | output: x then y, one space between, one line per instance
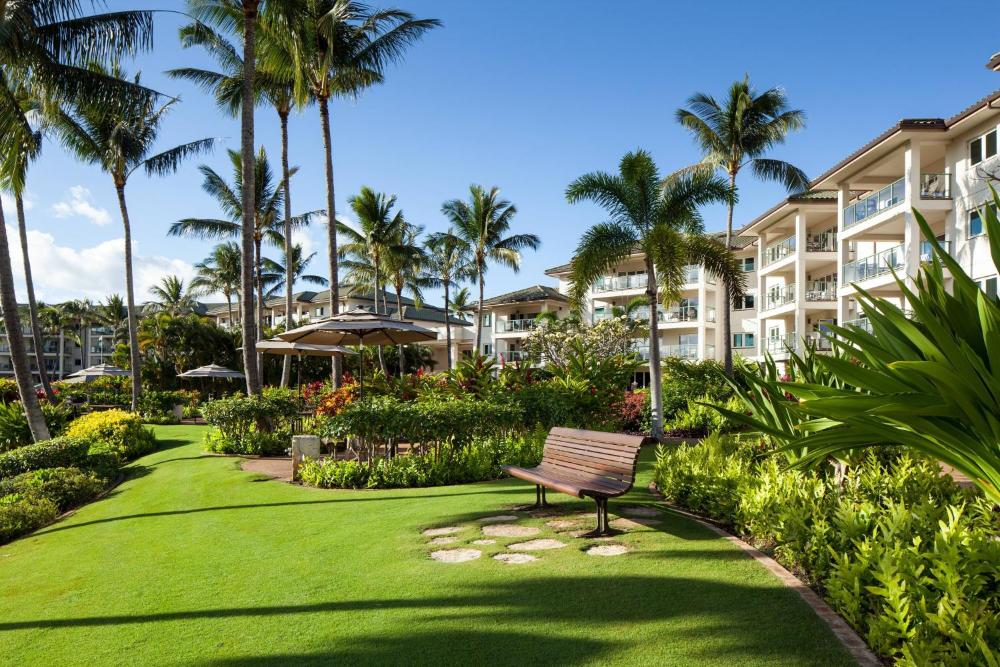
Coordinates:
853 642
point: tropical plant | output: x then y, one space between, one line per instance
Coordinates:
219 273
483 222
461 300
404 269
659 218
447 262
344 47
738 133
171 296
119 138
275 274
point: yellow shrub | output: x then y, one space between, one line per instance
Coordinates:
115 431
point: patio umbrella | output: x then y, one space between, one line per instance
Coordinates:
100 371
359 327
278 346
212 371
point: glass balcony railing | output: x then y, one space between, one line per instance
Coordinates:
516 326
819 341
692 274
927 251
861 323
780 250
876 202
687 313
515 355
621 283
874 265
710 314
782 344
682 351
825 242
935 186
821 290
779 296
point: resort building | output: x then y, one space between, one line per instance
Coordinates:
64 352
510 318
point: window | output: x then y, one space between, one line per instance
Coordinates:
749 264
976 225
743 340
488 319
487 349
747 302
988 285
319 312
983 148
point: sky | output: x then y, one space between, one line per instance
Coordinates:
525 95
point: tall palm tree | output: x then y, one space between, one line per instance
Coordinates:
658 217
45 45
448 262
460 300
112 313
172 297
738 133
219 273
275 273
379 230
404 269
344 47
119 139
483 222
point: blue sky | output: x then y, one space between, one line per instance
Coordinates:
527 95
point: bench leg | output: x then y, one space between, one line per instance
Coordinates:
603 529
540 499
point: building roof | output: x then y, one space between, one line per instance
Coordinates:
527 295
562 268
738 241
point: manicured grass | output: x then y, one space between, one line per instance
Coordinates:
192 561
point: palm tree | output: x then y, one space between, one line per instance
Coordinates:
45 45
219 273
119 139
112 313
739 133
344 47
404 269
367 248
482 223
171 297
658 217
460 300
276 273
449 262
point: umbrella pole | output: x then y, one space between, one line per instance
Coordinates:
298 380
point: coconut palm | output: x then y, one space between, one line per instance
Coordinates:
112 313
345 47
276 273
461 300
448 262
367 248
483 223
119 138
739 132
171 296
219 273
404 269
45 45
658 217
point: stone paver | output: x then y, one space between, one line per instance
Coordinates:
456 555
484 542
562 524
507 530
447 530
607 550
537 545
499 518
515 559
443 540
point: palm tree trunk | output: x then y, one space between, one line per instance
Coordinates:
250 366
331 233
399 348
36 329
258 269
133 316
229 307
655 388
727 327
286 367
18 355
479 314
447 324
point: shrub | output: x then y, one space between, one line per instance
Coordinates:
55 453
158 406
631 411
14 430
478 461
8 390
683 380
698 419
111 390
332 402
114 432
251 424
66 487
20 515
907 557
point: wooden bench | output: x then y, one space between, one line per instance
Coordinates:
585 464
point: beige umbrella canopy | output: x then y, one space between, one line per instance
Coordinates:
212 371
278 346
359 327
100 371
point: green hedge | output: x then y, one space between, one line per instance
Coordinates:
908 558
19 515
58 452
115 432
66 487
251 424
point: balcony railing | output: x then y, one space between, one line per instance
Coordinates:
861 323
927 251
825 242
874 265
935 186
819 341
710 314
692 274
516 326
876 202
782 344
619 283
821 290
682 351
679 314
515 355
780 250
779 296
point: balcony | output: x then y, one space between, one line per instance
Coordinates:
621 283
874 265
861 323
825 242
782 344
819 341
927 251
692 274
710 314
779 296
821 290
687 351
935 186
876 202
515 355
516 326
780 250
687 313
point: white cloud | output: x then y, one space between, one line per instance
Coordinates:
61 273
9 208
79 204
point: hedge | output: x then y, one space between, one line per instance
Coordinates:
55 453
116 432
251 424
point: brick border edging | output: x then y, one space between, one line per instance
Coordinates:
847 636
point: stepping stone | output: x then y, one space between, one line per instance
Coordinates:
562 524
443 540
484 542
515 559
641 511
607 550
507 530
499 518
537 545
447 530
456 555
622 523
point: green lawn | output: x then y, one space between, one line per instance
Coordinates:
192 561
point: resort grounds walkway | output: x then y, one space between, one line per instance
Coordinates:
193 561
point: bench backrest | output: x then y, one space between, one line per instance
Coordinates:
593 453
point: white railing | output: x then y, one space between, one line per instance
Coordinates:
874 265
620 283
515 355
782 344
780 250
876 202
821 290
682 351
779 296
516 326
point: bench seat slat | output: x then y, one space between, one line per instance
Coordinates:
599 457
581 463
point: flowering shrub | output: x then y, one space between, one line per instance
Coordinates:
331 403
631 411
8 390
558 341
115 432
